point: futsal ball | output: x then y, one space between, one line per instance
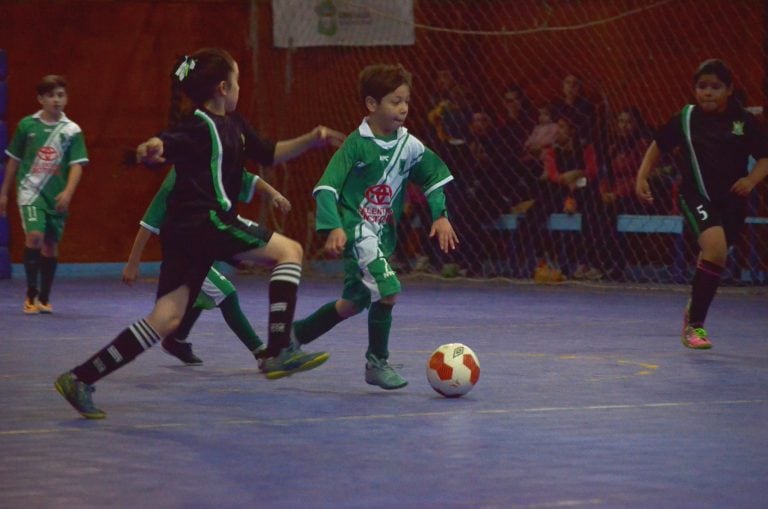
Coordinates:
453 370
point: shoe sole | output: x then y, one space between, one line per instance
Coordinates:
387 388
701 347
317 361
181 360
87 415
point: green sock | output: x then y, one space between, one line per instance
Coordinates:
233 315
379 324
317 324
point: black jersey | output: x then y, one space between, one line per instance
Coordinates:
716 148
209 152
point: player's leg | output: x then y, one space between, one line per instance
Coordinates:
77 385
706 222
181 277
33 224
355 298
223 294
176 343
383 285
49 260
286 254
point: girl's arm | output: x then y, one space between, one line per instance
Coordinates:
642 189
278 200
320 136
744 185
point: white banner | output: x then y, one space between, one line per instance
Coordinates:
342 23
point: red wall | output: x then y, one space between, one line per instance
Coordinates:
117 55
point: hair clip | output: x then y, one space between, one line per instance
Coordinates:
183 70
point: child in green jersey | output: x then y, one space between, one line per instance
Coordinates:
46 157
217 290
359 201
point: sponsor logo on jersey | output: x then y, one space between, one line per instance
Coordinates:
384 158
738 128
379 199
380 194
46 161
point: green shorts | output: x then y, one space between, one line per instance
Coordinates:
37 219
368 276
215 289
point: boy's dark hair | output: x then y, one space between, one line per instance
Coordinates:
718 68
379 80
196 77
50 83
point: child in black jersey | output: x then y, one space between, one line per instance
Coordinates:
717 137
208 149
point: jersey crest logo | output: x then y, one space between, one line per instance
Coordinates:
738 128
380 194
384 158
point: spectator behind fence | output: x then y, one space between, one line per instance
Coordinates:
571 185
517 182
630 138
576 108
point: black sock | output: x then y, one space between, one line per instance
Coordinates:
283 287
120 351
32 269
703 289
47 271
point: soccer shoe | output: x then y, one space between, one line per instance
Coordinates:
30 308
181 350
45 309
696 338
78 394
379 372
291 360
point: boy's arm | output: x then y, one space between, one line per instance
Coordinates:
10 175
131 269
320 136
65 197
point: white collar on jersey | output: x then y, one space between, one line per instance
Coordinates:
365 130
39 114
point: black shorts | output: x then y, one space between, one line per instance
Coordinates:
188 256
701 214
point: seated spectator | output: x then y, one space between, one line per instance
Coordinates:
630 139
543 135
571 185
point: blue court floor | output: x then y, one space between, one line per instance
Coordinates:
586 399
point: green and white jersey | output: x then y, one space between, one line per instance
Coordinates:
155 213
368 177
45 152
